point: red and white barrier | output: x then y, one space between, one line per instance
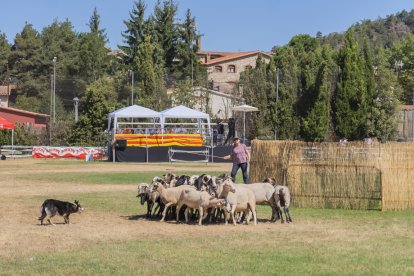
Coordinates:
68 152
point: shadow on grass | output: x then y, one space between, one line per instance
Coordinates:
55 223
193 221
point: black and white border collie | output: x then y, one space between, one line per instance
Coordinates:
51 207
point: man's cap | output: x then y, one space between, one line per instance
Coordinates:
236 138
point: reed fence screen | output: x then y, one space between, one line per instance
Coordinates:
328 175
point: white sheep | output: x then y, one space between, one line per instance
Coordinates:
199 200
239 199
170 196
264 194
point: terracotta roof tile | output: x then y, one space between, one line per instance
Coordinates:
406 107
4 90
215 53
233 56
22 111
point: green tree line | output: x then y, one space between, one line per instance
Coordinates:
158 49
315 92
338 85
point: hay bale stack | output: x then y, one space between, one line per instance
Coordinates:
322 175
397 168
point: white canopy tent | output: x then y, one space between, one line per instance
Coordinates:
133 111
245 108
178 112
182 112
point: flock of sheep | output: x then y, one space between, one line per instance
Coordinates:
212 196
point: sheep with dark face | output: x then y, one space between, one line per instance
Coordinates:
170 179
154 198
186 180
143 194
282 198
182 180
202 182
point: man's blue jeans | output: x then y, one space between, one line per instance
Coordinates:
243 167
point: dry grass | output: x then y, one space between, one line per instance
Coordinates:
111 236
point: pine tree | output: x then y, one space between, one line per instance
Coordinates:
94 26
60 40
93 58
404 52
369 74
151 86
254 91
316 123
5 49
287 122
134 35
94 117
384 110
187 65
166 31
351 97
25 62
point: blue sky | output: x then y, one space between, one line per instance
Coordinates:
226 25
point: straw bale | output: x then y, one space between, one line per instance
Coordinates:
327 175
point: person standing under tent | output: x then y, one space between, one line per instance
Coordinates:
240 156
220 132
232 130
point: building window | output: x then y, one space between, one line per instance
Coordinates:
218 69
247 67
231 69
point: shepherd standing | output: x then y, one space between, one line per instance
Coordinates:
240 156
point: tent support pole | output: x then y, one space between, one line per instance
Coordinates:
13 142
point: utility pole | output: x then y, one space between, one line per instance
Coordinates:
277 99
54 89
51 110
132 88
193 29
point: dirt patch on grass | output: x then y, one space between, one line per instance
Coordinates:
21 232
22 235
13 166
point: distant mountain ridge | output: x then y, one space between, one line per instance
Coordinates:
382 31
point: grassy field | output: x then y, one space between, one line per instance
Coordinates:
112 237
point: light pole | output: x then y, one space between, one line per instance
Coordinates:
277 100
54 89
132 88
193 29
76 102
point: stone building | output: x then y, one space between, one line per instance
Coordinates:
224 68
5 92
216 103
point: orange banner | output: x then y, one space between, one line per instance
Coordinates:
157 140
